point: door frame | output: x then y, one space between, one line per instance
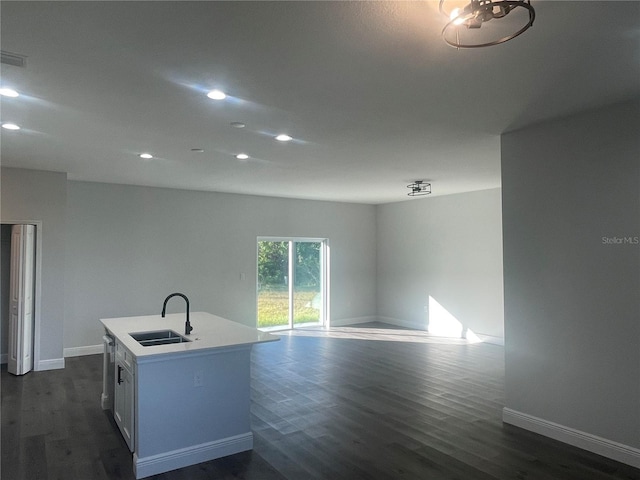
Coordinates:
38 285
325 273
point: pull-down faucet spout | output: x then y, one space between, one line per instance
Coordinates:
187 325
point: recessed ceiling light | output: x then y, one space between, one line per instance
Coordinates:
237 124
242 156
146 155
10 126
217 95
283 137
8 92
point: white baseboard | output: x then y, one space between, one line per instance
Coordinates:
164 462
343 322
80 351
586 441
52 364
421 326
403 323
491 339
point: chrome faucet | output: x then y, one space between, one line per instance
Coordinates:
187 325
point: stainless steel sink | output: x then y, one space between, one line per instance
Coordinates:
158 337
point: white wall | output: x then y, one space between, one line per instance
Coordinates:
30 195
572 302
128 247
449 248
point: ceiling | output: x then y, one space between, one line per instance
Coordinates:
372 96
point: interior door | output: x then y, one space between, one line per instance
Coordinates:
21 299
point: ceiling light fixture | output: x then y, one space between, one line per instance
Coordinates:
242 156
10 126
146 156
217 95
283 137
8 92
419 187
237 124
477 12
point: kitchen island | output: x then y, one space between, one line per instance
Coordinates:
185 401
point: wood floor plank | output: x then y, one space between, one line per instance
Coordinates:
363 403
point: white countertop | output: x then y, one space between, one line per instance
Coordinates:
209 332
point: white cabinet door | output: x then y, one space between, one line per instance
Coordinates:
123 401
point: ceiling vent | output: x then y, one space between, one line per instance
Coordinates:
14 59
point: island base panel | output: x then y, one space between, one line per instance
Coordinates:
167 461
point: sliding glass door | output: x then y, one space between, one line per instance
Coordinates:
291 282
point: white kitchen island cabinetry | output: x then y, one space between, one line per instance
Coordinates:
123 394
191 400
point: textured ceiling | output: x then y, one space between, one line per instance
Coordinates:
371 94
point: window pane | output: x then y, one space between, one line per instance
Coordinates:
307 291
273 284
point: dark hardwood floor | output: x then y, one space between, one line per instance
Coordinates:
353 403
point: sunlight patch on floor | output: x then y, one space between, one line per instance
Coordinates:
443 328
377 334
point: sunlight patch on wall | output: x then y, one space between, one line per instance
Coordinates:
443 324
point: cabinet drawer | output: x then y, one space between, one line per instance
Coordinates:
124 356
